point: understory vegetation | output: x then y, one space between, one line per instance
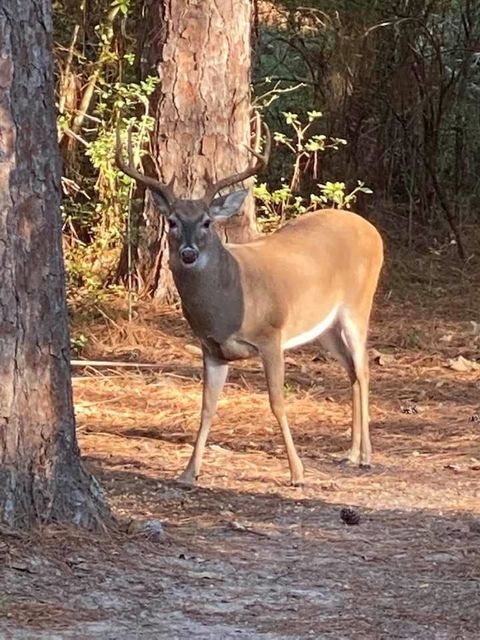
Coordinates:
372 105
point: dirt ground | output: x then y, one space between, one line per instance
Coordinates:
244 555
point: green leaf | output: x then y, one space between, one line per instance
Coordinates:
314 115
291 118
281 138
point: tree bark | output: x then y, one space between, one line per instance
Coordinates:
201 53
41 475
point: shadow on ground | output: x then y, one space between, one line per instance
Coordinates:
236 564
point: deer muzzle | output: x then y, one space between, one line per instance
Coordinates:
189 255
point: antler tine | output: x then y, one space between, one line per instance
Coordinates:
129 169
262 160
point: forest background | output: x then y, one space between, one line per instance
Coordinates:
373 105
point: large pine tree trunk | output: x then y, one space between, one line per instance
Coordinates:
201 52
41 476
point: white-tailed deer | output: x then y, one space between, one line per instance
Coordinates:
313 278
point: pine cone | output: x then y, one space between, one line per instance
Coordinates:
350 516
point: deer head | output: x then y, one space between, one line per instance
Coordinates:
191 229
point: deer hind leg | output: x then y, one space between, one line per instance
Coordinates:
354 334
274 367
214 377
348 345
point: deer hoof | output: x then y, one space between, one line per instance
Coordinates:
297 483
346 458
187 479
296 480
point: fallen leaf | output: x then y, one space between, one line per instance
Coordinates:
151 529
475 327
381 359
453 467
193 349
19 565
462 365
210 576
329 487
238 526
408 408
474 464
217 447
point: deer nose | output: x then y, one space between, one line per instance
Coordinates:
189 255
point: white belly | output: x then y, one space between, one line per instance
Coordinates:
312 333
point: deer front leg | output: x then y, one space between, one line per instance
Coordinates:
274 367
214 377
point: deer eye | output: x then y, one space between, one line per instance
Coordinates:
172 223
206 224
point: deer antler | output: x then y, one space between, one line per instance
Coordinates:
165 190
214 187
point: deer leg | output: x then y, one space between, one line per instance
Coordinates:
274 367
354 339
334 342
214 377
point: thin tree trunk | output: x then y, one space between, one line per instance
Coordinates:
201 52
41 475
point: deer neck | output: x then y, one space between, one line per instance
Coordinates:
212 297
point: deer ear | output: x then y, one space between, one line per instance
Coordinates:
227 206
160 202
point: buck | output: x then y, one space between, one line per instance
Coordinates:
313 278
